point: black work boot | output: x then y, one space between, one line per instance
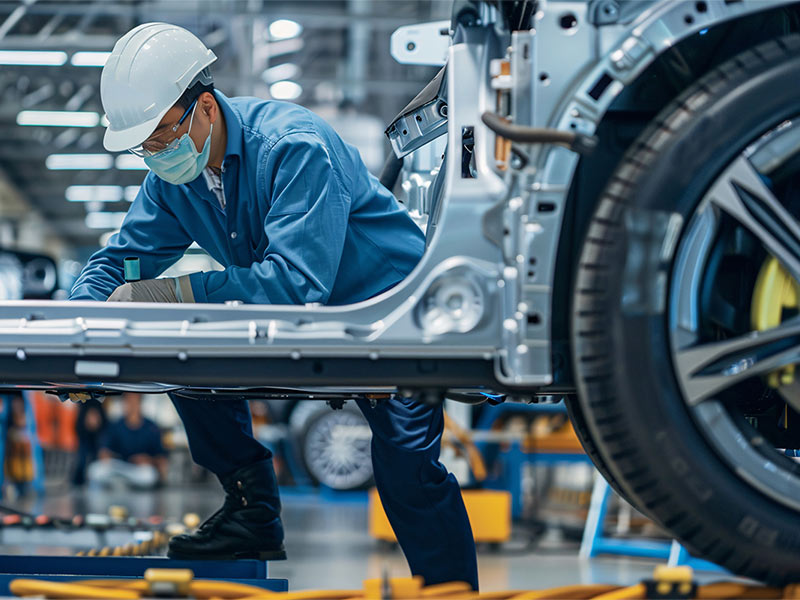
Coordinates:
247 526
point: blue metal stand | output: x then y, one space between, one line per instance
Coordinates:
74 568
595 542
678 555
514 458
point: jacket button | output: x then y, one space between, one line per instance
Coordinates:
233 235
244 501
239 485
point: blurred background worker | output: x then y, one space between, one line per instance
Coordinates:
130 450
273 194
90 425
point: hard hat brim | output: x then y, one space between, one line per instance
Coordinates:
125 139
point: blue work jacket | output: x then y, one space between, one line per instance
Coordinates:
304 220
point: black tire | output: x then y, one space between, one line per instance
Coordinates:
355 471
629 395
581 428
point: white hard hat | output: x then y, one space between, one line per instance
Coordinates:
149 69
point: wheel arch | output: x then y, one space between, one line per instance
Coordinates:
681 61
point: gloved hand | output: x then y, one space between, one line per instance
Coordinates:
168 289
79 397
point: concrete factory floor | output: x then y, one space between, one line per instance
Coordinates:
329 547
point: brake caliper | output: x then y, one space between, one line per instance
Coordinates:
775 291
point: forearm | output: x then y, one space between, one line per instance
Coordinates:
272 281
98 280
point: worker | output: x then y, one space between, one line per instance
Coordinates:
131 451
289 210
89 427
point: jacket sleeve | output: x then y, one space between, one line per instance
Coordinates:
306 226
150 232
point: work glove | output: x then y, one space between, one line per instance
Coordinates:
79 397
167 289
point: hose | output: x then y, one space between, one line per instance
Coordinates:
476 463
207 589
577 142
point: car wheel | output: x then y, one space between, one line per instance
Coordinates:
581 428
336 448
686 327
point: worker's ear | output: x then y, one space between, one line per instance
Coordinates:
209 106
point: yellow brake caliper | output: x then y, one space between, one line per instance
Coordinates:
775 290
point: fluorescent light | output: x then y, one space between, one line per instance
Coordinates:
285 90
283 29
90 59
130 162
105 220
278 72
58 162
281 47
94 193
106 237
131 192
44 58
58 118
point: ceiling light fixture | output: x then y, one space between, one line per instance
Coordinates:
283 29
90 59
94 193
106 237
61 162
40 58
279 72
130 162
105 220
58 118
285 90
131 192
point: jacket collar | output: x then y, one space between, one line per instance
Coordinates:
233 123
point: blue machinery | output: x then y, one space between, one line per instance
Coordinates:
30 431
595 542
68 569
515 457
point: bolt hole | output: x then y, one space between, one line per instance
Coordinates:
531 274
701 7
532 260
544 77
688 19
405 131
419 118
506 231
534 319
568 21
573 126
411 46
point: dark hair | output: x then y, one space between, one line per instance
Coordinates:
192 92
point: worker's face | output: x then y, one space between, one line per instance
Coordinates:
197 123
133 404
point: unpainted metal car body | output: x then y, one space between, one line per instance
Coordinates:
542 251
487 305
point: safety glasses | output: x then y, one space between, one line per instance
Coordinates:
153 146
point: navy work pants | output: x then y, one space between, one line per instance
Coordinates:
423 502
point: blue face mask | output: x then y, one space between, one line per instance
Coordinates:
181 163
